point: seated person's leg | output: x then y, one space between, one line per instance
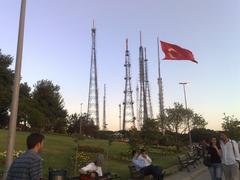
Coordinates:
146 170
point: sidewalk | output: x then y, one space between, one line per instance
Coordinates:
185 175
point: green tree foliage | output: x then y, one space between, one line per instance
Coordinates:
203 134
150 132
135 140
231 124
49 106
24 105
176 118
197 121
87 125
6 82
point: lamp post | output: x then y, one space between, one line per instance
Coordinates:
185 99
81 109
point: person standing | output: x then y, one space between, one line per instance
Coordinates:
230 157
214 154
28 165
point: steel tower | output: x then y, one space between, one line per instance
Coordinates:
139 122
93 106
128 112
143 114
147 87
104 109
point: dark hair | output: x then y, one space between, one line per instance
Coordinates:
133 152
217 143
142 150
33 139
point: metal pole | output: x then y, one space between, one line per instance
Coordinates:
188 123
160 89
81 109
80 119
16 85
120 125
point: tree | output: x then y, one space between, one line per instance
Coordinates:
24 106
199 134
150 132
197 121
6 82
231 124
87 125
176 120
48 102
135 141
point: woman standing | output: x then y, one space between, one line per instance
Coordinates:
214 154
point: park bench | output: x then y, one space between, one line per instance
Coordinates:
137 175
193 156
185 162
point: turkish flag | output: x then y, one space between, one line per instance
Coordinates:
174 52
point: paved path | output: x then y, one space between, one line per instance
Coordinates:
205 176
200 173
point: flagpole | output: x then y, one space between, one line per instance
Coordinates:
16 86
160 88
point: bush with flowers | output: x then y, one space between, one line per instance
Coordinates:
3 155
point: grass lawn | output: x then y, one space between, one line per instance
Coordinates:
59 148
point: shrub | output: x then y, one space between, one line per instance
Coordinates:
90 149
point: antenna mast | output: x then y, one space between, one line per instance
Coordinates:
128 111
143 114
93 106
147 87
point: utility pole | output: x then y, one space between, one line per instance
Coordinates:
93 106
16 86
188 123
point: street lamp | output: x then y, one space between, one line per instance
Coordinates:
185 98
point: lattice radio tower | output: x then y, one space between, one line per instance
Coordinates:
143 114
128 111
147 87
93 106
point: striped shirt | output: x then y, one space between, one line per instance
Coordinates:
28 166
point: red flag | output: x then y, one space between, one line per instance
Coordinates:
174 52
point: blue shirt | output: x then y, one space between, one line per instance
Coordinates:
28 166
138 163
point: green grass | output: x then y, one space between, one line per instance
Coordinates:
59 148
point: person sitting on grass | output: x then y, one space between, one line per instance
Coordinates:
29 164
143 163
94 169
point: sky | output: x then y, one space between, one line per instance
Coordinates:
57 46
